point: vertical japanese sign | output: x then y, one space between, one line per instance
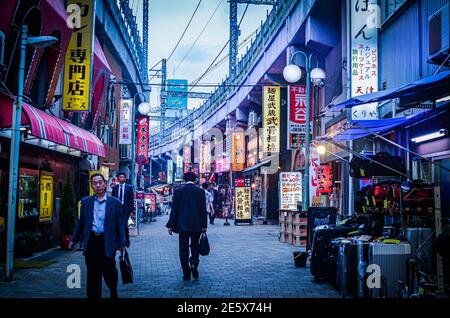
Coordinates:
314 165
126 107
324 179
257 189
271 125
169 171
78 61
142 151
297 116
46 198
290 190
187 158
243 203
238 151
150 199
364 56
205 157
179 170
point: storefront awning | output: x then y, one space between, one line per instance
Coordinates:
264 163
362 128
51 128
429 88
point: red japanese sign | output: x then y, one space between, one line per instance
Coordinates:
297 116
150 199
143 135
324 179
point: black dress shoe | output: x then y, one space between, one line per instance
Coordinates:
186 277
195 273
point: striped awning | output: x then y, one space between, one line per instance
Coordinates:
51 128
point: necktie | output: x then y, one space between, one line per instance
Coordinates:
121 193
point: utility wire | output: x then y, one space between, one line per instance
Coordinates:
198 37
185 30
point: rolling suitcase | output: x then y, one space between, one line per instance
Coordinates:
320 249
392 260
421 239
362 260
334 263
348 259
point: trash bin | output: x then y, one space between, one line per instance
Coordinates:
300 259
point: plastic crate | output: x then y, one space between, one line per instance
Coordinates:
290 217
283 238
282 227
290 238
289 228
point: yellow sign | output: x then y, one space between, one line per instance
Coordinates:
238 154
46 198
243 203
91 173
271 137
104 170
79 57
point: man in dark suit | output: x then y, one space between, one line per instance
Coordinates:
189 219
101 227
124 192
216 203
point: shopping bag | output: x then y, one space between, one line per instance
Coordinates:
126 270
203 245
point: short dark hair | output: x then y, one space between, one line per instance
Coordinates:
98 175
121 174
190 177
205 185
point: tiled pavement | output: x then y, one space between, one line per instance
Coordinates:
245 261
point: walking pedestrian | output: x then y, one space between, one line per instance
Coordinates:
217 204
188 218
101 226
125 193
209 200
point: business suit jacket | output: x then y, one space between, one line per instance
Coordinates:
188 210
128 199
114 234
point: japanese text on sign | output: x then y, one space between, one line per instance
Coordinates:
243 203
46 198
238 154
297 116
143 133
364 57
271 139
126 106
205 157
77 68
290 190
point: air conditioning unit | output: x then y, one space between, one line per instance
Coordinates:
439 36
252 119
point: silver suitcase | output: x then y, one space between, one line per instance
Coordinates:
421 239
391 259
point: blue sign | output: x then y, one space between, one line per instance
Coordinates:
179 86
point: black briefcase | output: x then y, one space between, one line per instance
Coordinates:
203 245
126 270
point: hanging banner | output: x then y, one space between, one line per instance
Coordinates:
364 55
238 151
205 157
257 189
142 145
78 61
324 179
297 116
179 169
169 171
243 204
271 121
187 158
314 163
46 198
290 190
126 107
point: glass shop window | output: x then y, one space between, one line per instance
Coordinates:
28 193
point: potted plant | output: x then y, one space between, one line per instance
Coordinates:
67 214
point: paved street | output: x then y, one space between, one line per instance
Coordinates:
245 261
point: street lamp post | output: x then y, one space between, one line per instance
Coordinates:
40 41
144 109
292 74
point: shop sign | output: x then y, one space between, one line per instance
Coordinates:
78 60
169 171
364 55
205 157
150 199
46 198
290 190
243 203
271 121
238 152
257 189
297 116
187 158
324 179
126 107
242 182
143 135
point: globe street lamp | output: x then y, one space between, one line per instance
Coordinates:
292 73
38 42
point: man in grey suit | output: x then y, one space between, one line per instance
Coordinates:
101 227
188 218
